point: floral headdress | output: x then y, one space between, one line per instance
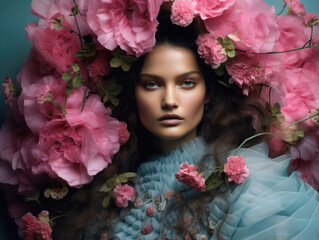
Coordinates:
61 131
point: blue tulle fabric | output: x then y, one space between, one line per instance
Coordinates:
268 205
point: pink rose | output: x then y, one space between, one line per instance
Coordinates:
123 194
35 229
54 49
131 24
100 65
236 169
295 7
293 34
189 175
150 211
182 12
211 50
147 229
210 9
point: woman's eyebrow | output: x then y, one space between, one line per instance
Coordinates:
156 77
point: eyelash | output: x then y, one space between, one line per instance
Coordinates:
153 85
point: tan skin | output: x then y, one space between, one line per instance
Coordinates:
170 95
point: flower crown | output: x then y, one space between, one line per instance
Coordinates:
61 131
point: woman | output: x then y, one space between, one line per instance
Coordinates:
177 111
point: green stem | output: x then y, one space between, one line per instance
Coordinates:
304 119
282 10
250 138
71 30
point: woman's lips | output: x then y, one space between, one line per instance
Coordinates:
170 119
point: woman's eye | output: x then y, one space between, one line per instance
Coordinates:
188 84
151 85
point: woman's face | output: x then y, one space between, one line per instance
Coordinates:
170 93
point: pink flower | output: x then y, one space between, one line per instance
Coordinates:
81 144
8 90
182 12
309 18
249 72
100 66
35 229
150 211
236 169
54 49
124 134
189 175
211 50
209 9
131 24
147 229
123 194
293 34
295 6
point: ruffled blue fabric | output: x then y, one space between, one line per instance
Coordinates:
268 205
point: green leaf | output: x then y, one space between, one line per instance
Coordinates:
231 53
223 83
105 188
214 180
114 100
276 108
125 66
77 80
116 62
106 201
66 76
75 67
300 133
68 90
129 174
220 71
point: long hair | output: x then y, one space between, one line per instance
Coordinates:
227 121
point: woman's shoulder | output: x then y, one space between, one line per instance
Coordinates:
271 204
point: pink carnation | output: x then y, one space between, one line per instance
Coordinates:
7 90
311 17
210 9
236 169
295 6
123 194
124 134
35 229
189 175
131 24
100 66
211 50
182 12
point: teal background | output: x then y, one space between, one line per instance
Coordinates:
14 48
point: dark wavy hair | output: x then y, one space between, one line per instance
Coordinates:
227 121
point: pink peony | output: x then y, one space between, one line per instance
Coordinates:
293 34
81 144
54 49
236 169
182 12
210 9
189 175
8 91
295 7
123 194
211 50
35 229
131 24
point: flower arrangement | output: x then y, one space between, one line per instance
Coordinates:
61 131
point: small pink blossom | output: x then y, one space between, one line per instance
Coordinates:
295 6
236 169
189 175
182 12
310 18
150 211
129 24
124 133
42 94
210 9
137 203
8 90
211 50
35 229
123 194
147 229
104 236
100 66
168 193
188 220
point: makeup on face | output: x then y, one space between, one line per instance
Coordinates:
170 94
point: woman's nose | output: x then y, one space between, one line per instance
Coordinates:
170 98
